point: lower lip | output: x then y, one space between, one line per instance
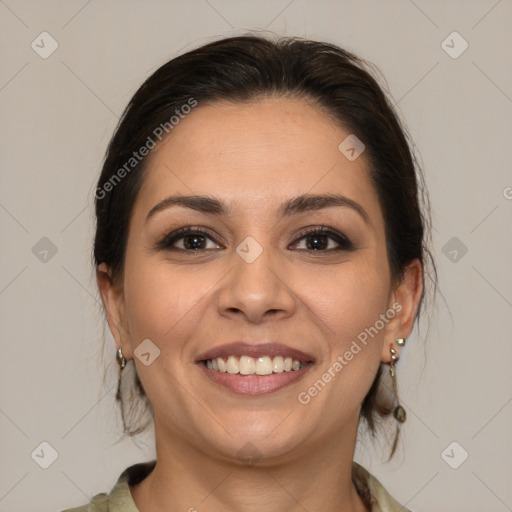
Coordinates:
255 384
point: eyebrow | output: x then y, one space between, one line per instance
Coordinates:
294 206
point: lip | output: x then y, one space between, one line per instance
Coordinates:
255 349
254 384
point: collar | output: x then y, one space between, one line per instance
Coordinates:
369 488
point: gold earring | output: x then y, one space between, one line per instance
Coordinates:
399 411
122 363
400 341
120 358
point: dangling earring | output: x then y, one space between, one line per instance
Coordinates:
122 363
398 412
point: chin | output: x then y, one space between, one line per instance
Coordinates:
264 442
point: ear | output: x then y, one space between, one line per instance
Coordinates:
405 301
112 297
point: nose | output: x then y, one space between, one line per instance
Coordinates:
256 290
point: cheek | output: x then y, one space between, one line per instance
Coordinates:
165 307
348 299
347 304
161 303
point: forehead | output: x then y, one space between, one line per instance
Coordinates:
255 155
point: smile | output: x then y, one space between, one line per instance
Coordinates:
245 365
254 368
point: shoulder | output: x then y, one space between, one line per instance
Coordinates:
119 499
99 503
373 492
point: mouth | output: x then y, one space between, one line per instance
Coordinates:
254 369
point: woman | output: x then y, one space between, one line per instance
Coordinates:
260 253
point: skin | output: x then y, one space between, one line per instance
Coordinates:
253 157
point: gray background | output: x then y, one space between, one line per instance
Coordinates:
57 116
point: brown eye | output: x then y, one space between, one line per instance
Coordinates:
324 240
187 239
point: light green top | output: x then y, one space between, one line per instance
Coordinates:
120 498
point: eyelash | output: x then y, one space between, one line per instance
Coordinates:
171 238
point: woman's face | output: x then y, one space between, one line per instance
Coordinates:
257 277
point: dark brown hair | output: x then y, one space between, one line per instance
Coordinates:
245 68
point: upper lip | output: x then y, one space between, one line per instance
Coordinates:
241 348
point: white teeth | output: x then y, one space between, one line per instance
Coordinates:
231 365
263 365
221 364
278 364
245 365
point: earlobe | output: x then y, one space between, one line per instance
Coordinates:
113 302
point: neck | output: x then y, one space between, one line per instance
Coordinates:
184 478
